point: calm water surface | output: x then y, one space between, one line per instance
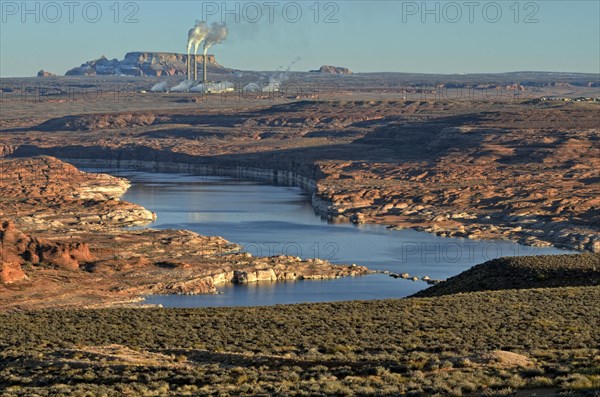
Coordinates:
269 220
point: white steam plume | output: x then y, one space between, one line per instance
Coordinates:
184 86
217 34
160 87
196 36
200 34
278 78
200 31
222 86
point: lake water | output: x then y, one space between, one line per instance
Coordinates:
269 220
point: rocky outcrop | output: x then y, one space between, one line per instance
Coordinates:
242 277
49 178
98 122
141 64
43 73
195 286
11 272
18 248
5 150
326 69
66 256
68 196
253 270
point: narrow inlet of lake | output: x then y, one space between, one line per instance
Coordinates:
270 220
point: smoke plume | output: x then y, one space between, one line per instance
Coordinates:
279 77
199 34
221 86
160 87
196 36
217 34
184 86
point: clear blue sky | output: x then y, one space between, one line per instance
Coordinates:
368 36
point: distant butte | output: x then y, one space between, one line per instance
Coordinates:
141 64
326 69
43 73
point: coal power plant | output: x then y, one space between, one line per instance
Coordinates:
201 36
206 36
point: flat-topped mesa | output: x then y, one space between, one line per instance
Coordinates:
328 69
142 63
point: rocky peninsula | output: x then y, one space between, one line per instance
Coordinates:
63 245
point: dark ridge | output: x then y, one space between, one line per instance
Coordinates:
546 271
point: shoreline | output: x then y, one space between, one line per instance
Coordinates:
320 204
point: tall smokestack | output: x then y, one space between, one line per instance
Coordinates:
190 43
196 36
189 67
209 35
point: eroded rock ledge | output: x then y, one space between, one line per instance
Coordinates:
387 207
44 193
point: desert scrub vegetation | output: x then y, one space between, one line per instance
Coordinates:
544 271
482 343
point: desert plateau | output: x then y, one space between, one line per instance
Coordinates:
184 223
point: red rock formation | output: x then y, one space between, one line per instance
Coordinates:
43 73
11 272
333 70
5 150
18 248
